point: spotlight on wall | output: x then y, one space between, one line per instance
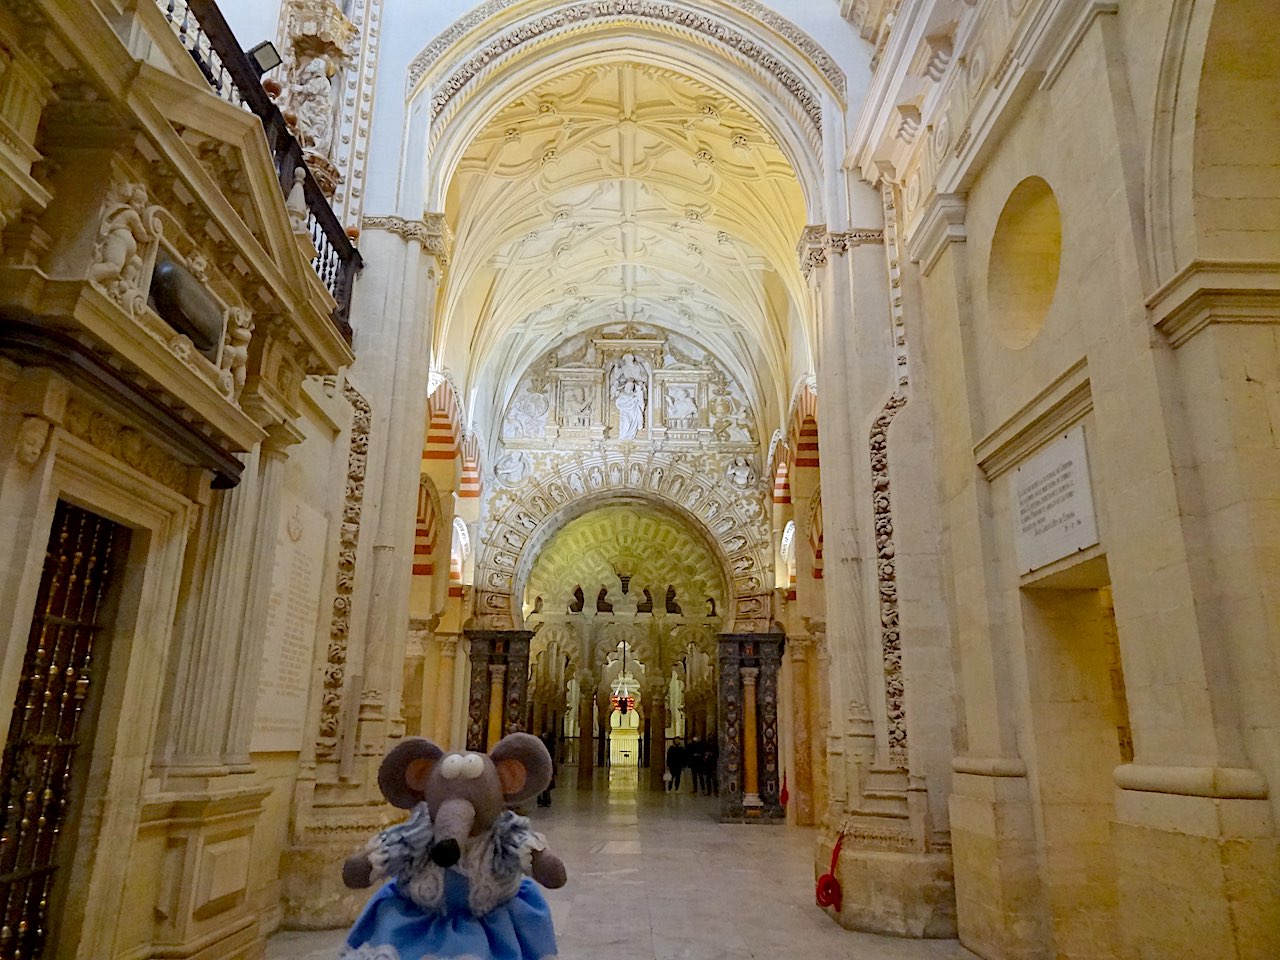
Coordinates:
264 56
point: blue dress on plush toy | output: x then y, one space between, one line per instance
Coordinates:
483 907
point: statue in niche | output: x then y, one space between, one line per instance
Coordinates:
655 478
596 476
634 475
682 408
615 474
741 474
527 417
577 405
575 484
627 384
311 98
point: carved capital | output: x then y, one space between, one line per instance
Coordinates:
432 232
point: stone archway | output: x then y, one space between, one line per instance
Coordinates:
556 491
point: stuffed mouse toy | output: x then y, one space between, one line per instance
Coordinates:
457 867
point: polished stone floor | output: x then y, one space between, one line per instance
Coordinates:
654 875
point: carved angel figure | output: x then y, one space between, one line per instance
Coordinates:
527 417
127 227
235 351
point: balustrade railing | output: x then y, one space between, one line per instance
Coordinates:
204 32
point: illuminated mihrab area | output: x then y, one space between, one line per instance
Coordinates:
843 432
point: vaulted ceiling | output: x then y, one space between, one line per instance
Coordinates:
622 192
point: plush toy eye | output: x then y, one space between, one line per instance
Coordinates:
453 765
472 766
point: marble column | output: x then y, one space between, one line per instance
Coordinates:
750 749
801 731
586 727
478 695
538 720
442 727
497 684
657 738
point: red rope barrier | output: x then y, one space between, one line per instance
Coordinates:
828 891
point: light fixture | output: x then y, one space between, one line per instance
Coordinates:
264 56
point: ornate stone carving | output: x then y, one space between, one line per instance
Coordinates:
235 351
124 443
335 671
125 244
31 436
811 49
432 232
666 13
741 473
882 509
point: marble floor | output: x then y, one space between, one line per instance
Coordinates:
655 875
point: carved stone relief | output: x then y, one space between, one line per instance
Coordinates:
335 669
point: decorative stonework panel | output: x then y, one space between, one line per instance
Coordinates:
335 671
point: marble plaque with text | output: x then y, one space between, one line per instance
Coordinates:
292 616
1053 503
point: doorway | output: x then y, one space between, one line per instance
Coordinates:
43 773
1081 728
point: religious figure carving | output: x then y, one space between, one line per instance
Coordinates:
311 98
577 403
128 228
527 417
627 384
741 474
512 468
682 408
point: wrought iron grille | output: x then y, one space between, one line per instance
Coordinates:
41 776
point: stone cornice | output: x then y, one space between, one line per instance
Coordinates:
821 61
432 232
816 241
941 223
1215 291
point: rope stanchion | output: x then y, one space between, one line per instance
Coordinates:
828 891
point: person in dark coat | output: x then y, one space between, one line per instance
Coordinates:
710 759
696 749
549 741
675 764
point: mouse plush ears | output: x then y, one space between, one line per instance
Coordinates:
524 766
403 776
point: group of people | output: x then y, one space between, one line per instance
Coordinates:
699 757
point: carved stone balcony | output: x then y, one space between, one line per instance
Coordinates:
201 28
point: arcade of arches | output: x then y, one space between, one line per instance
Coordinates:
878 399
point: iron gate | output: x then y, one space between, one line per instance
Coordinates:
41 777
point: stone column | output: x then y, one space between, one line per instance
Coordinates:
199 707
657 738
442 727
586 730
801 730
393 366
538 720
750 754
497 700
478 695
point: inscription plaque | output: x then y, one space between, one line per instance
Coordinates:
1053 503
292 616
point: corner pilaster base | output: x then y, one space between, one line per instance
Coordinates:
1000 906
311 867
892 892
1197 877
